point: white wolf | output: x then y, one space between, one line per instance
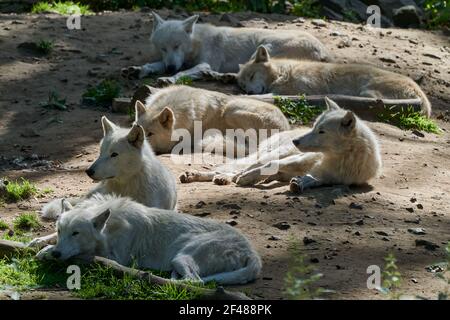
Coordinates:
128 232
339 149
284 76
203 47
177 107
128 167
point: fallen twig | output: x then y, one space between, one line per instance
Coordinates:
204 293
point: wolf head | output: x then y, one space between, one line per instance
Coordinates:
158 126
79 233
331 132
256 76
173 39
121 152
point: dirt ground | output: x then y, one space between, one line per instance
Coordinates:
352 227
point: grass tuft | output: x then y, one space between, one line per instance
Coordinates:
3 225
45 46
185 80
19 190
408 119
61 7
298 112
26 222
102 94
54 102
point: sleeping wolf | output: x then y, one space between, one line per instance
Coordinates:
125 231
178 107
283 76
199 48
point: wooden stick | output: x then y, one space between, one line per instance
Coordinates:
8 247
363 106
208 294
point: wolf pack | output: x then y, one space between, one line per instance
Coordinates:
131 215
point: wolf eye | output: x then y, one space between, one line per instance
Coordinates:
114 154
75 233
321 131
149 134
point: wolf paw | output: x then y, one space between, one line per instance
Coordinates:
37 243
45 254
247 178
188 177
299 184
164 81
221 180
133 72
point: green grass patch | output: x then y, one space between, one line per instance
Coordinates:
185 80
45 46
54 101
97 281
62 7
102 94
408 119
307 8
19 190
26 222
437 12
298 112
24 237
3 225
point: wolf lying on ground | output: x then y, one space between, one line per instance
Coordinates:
287 77
128 232
196 48
177 107
340 149
128 167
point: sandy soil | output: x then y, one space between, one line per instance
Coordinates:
412 192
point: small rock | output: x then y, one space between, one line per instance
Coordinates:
418 133
413 280
355 205
231 222
419 206
357 233
282 225
417 231
233 206
235 212
200 204
274 238
381 233
359 222
427 244
307 241
319 22
413 199
410 209
387 60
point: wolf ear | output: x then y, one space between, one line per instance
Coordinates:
65 205
262 55
139 109
107 125
331 105
167 118
136 136
348 122
189 23
100 220
157 20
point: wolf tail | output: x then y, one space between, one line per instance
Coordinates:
426 105
243 275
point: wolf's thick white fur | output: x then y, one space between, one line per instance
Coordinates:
340 149
177 107
183 44
134 172
130 233
289 77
